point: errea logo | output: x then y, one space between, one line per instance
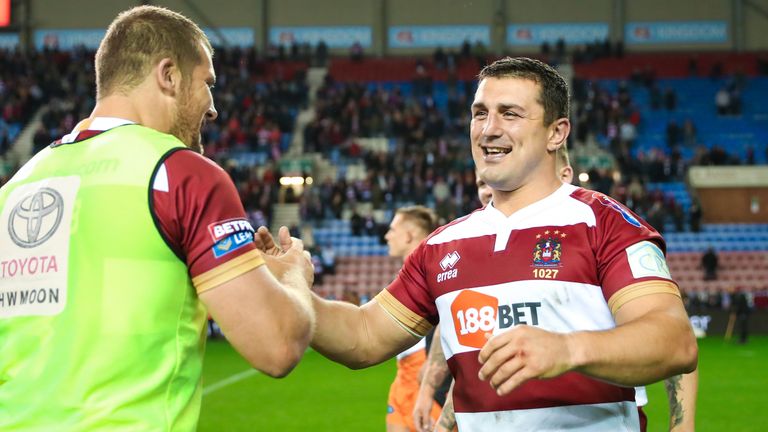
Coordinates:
447 264
449 260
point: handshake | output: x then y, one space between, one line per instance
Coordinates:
286 259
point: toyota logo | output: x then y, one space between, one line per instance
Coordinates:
35 218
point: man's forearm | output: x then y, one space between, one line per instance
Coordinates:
436 367
640 352
681 391
447 420
299 289
357 336
338 325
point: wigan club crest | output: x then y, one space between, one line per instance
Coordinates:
549 249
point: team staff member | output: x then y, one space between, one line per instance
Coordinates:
549 281
122 235
408 228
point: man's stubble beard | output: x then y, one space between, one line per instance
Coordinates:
184 127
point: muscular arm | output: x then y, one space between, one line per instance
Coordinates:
435 371
681 391
268 321
436 366
447 420
357 336
652 340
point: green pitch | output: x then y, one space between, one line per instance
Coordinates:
322 396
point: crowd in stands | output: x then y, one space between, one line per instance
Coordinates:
258 96
31 80
714 299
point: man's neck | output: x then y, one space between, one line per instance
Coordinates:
139 106
510 202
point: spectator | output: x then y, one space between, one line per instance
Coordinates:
689 133
673 134
709 262
735 100
356 52
328 257
656 216
693 66
723 101
670 99
695 215
321 53
356 223
742 308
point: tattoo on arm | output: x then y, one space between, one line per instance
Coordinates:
438 370
676 414
447 418
438 367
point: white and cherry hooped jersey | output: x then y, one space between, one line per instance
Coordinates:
563 264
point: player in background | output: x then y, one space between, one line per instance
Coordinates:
550 315
408 228
127 235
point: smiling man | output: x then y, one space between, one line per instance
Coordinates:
112 337
547 281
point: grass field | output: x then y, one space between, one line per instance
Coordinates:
322 396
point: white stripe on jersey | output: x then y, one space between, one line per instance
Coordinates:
605 417
565 307
558 209
161 180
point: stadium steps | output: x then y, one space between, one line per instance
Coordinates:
315 76
285 215
21 150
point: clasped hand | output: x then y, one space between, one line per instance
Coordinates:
286 255
513 357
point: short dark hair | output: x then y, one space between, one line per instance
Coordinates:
140 37
553 95
423 217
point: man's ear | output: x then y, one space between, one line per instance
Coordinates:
410 236
168 77
558 133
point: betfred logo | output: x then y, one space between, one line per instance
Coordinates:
232 243
219 230
474 314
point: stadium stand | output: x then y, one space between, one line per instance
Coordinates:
394 130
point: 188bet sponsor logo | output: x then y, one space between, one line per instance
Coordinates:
475 314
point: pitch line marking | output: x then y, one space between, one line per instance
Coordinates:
234 378
230 380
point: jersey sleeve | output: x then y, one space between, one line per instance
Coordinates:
630 254
199 213
407 299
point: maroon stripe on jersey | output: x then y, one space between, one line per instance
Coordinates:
472 395
557 253
617 229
